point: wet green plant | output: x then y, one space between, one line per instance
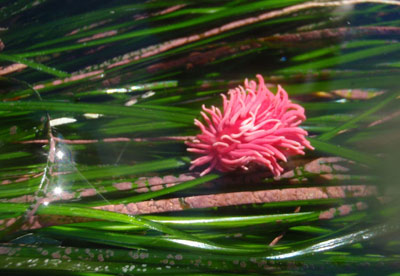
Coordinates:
97 102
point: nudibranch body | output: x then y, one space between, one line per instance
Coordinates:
255 126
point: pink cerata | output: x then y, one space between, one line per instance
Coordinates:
255 126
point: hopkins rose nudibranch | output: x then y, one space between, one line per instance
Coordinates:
255 126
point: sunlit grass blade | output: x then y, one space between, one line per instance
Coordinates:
155 112
207 222
343 152
328 135
35 65
345 58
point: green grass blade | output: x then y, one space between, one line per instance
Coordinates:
148 112
35 65
343 152
330 134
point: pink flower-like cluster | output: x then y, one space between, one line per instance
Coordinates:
255 126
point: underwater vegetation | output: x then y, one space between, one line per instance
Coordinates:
102 171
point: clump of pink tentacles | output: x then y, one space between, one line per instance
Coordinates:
255 126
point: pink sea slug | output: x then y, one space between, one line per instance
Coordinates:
255 126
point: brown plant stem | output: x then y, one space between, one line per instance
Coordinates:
304 39
240 198
12 68
216 200
163 47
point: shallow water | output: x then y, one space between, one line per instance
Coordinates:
99 97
